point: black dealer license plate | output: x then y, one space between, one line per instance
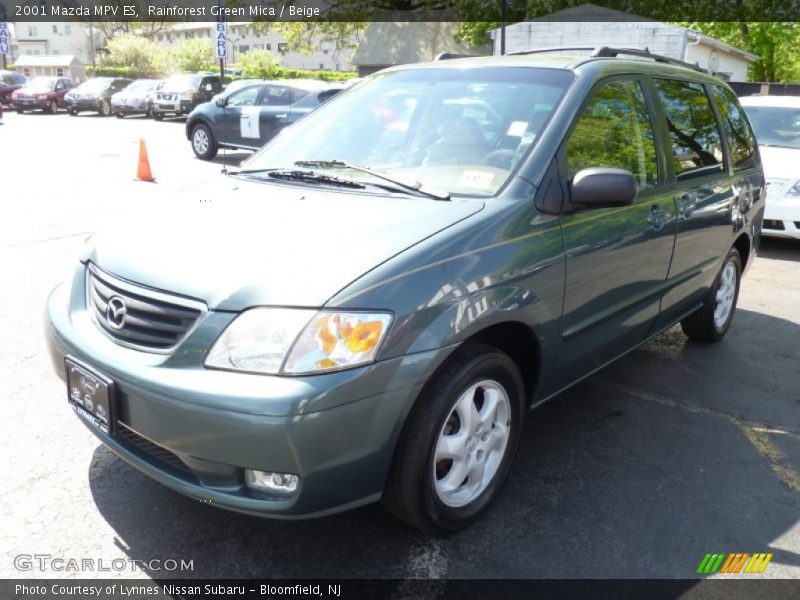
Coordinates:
91 394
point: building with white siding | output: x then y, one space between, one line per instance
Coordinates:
590 25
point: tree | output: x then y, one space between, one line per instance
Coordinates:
193 55
305 37
134 52
258 64
775 43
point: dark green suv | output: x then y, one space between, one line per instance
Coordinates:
369 306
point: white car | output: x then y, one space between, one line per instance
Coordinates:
776 121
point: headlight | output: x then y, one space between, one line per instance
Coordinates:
298 341
42 96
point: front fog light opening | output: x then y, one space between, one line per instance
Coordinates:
279 484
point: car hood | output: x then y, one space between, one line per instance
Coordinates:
780 163
235 244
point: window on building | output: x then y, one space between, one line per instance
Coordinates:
269 47
244 48
67 29
189 35
60 72
283 47
160 38
31 30
615 131
693 129
55 52
55 28
321 66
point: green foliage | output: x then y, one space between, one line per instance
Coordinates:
777 45
133 52
129 72
192 55
304 37
475 33
258 64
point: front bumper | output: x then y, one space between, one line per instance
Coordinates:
82 103
336 431
177 107
782 218
31 103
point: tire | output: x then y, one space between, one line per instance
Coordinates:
120 115
53 108
710 322
203 143
158 116
20 111
103 109
417 490
73 113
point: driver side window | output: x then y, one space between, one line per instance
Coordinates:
245 97
615 131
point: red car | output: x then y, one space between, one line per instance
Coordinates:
45 93
9 83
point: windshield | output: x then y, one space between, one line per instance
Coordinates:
141 85
775 125
181 83
93 85
462 131
41 83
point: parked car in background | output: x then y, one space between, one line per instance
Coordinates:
94 95
776 120
10 81
136 98
252 114
180 94
368 308
44 93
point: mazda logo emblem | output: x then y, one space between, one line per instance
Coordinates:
116 311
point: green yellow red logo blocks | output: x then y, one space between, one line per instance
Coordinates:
734 562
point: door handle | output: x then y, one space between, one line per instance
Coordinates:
657 217
686 206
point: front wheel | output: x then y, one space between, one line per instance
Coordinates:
203 143
158 116
710 322
103 108
457 447
52 107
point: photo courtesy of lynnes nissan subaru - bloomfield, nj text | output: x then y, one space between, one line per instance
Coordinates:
367 307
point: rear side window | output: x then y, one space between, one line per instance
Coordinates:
693 130
737 128
615 130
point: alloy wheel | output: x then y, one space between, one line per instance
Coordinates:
472 443
726 293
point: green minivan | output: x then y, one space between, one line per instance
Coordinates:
367 307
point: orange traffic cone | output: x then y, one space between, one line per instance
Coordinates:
143 172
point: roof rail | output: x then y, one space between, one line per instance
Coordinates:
608 52
452 55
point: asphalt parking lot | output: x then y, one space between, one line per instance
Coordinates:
677 450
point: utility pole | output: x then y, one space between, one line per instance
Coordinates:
92 44
503 19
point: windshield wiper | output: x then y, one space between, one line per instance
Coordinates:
417 186
304 176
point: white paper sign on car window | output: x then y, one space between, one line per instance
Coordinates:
249 122
517 128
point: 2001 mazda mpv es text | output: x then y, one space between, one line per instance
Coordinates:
366 309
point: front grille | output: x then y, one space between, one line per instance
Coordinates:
168 96
773 224
139 316
144 446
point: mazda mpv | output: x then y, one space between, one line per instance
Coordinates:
367 308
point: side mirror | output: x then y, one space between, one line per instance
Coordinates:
598 187
220 101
